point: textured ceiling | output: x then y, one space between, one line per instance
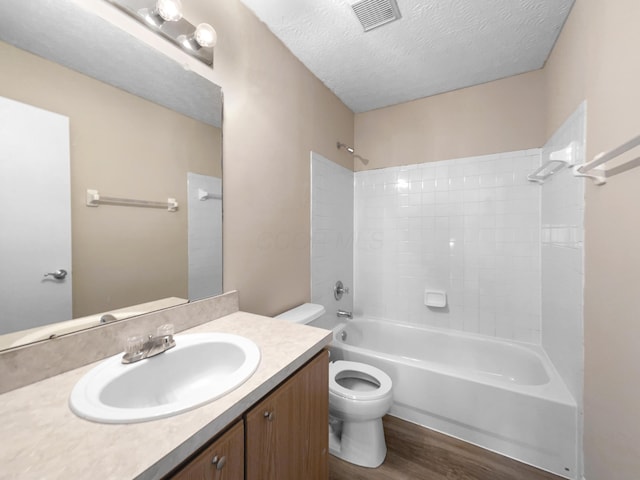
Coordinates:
437 45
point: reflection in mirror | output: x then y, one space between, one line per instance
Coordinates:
64 132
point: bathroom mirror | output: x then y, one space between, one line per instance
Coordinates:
134 124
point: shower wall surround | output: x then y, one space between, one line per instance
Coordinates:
562 257
331 233
470 227
508 252
563 263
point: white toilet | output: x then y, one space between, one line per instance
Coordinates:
359 396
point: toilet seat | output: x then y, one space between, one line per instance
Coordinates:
362 371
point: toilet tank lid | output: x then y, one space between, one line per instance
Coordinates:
304 313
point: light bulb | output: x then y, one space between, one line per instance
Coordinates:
205 35
169 10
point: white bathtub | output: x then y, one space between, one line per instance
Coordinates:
503 396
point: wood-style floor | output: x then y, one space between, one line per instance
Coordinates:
416 453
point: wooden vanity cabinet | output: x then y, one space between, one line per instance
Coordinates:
222 460
287 432
283 437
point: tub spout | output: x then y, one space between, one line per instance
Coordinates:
344 314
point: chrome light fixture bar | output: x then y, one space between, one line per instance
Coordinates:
165 18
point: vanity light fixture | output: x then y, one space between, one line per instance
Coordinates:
165 18
204 36
163 11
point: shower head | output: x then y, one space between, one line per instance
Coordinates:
346 147
349 149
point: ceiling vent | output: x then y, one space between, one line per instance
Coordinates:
375 13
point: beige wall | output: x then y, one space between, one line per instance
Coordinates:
596 58
500 116
275 113
123 146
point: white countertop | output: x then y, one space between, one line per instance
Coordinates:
40 438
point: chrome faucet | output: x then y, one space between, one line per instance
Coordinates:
138 347
344 314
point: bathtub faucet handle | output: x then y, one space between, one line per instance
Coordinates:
339 290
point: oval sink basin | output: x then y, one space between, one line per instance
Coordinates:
199 369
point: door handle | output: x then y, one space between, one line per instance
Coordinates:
58 274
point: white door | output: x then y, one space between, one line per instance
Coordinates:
35 216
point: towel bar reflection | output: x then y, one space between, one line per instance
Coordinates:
94 198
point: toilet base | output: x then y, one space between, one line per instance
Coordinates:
360 443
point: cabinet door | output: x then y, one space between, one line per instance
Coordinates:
287 432
222 460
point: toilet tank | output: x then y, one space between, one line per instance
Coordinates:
304 313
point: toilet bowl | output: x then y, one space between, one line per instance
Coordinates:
359 395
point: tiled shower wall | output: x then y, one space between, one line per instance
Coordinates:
507 252
331 233
469 227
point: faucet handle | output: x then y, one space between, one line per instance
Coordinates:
165 330
134 344
339 290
